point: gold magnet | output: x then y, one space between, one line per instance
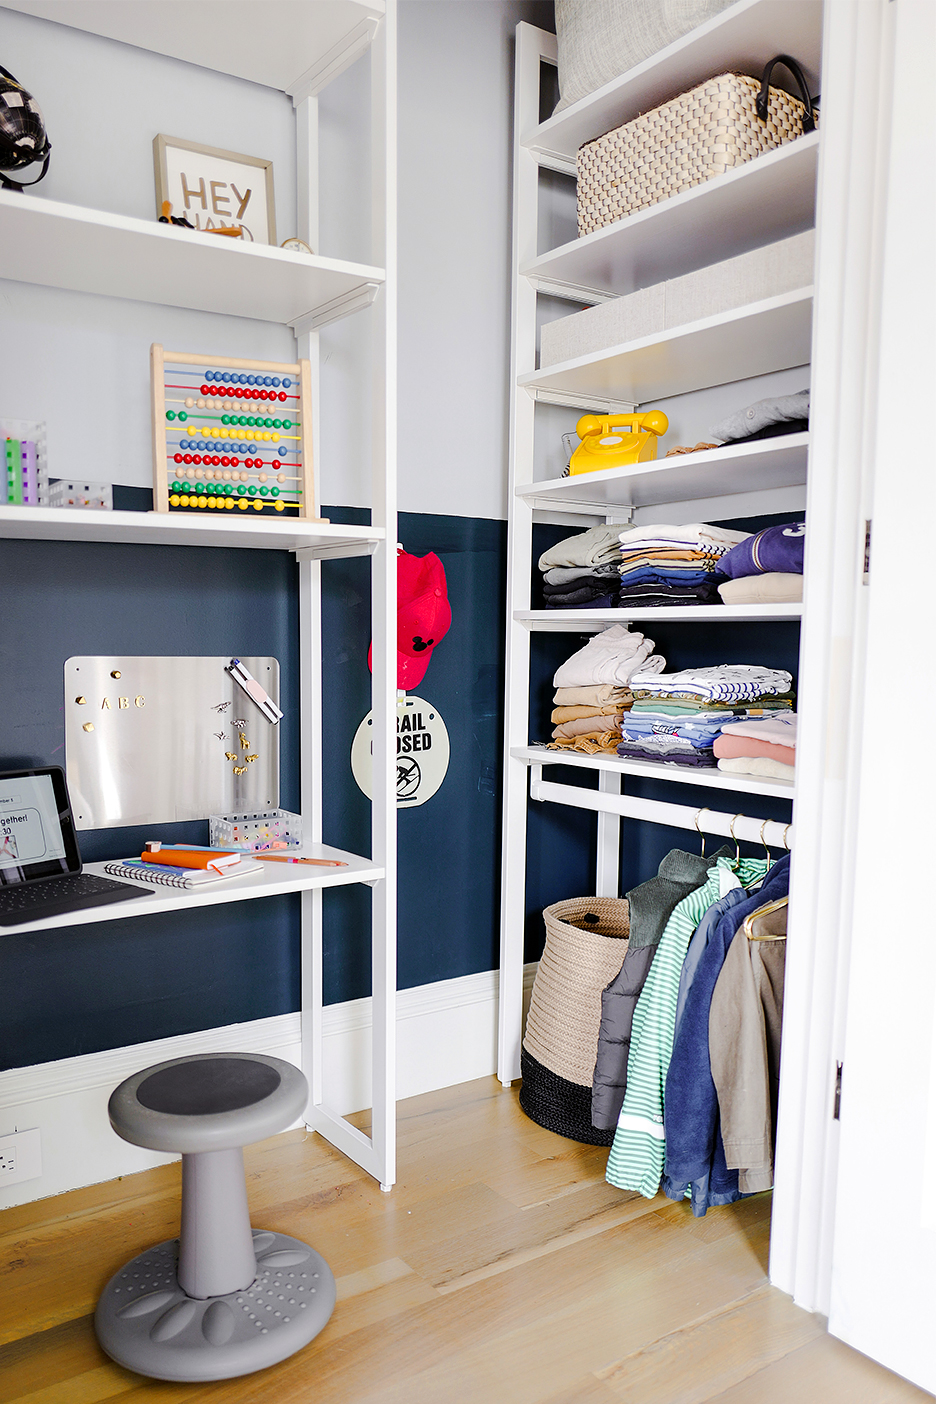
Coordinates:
230 755
139 701
105 705
115 673
123 703
88 726
240 770
245 744
81 701
253 758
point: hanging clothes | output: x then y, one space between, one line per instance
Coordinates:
744 1046
694 1156
637 1154
651 906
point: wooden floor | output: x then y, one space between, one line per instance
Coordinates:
501 1270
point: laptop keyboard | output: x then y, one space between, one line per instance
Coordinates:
31 900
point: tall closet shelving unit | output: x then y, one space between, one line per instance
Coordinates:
298 50
768 199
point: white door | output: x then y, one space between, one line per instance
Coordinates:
883 1297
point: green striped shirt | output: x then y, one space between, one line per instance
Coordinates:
639 1149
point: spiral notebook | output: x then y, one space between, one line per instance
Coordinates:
166 876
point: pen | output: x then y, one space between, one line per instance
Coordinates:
319 862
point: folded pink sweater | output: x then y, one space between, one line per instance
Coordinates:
726 745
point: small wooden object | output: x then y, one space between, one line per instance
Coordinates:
206 456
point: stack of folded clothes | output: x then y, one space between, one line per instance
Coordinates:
766 568
674 565
679 717
593 691
582 572
759 746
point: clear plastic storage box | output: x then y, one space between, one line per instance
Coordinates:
277 828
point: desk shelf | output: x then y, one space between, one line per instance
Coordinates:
276 880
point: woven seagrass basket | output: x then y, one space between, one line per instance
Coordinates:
586 941
688 140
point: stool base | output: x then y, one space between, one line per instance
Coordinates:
146 1323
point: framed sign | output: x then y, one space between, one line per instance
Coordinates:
215 189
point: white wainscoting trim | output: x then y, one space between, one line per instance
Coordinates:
446 1034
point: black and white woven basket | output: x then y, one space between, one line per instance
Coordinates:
586 941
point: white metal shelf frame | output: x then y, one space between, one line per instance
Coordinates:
307 293
714 351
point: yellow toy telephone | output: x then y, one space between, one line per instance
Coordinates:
616 441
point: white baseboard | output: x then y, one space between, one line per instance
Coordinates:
446 1034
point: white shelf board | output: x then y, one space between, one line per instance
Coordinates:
578 621
743 468
771 335
275 880
656 770
739 40
276 44
769 199
91 251
182 529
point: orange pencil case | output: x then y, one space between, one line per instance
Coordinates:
188 858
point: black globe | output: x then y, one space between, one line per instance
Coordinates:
23 137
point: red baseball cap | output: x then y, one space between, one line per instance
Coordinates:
424 615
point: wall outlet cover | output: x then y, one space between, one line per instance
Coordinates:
20 1157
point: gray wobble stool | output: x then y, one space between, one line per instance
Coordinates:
223 1299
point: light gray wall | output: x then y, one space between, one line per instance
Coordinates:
104 102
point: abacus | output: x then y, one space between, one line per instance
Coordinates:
231 436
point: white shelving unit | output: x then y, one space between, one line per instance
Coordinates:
297 49
766 200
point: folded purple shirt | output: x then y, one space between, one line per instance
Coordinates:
777 548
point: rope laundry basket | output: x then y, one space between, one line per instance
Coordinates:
586 941
703 133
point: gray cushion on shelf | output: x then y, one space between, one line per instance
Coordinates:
601 39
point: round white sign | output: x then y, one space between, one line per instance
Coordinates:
422 752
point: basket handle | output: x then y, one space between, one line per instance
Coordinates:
763 97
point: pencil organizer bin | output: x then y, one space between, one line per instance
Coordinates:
276 828
586 942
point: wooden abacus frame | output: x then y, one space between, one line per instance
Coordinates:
300 369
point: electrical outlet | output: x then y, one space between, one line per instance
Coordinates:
20 1157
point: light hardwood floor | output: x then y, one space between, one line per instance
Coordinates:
501 1270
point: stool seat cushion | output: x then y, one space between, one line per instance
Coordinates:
211 1101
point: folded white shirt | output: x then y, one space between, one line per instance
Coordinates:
757 765
698 534
609 657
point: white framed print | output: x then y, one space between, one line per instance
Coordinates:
215 189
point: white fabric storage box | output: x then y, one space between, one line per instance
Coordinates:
624 319
751 277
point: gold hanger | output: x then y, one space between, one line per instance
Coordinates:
698 830
737 845
764 842
786 840
766 910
